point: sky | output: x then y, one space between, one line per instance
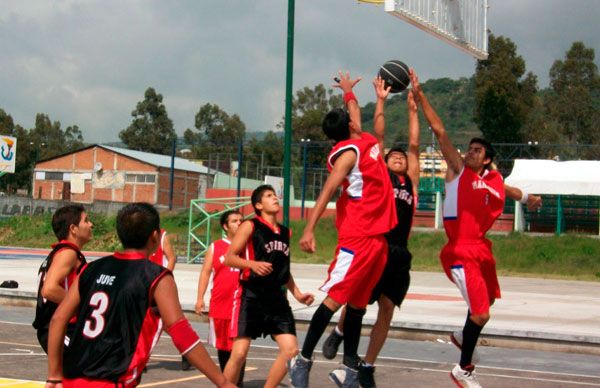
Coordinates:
88 62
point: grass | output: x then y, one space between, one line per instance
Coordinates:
569 256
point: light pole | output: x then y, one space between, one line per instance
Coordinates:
304 152
36 155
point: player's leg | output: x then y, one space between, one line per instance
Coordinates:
288 348
237 359
380 328
335 338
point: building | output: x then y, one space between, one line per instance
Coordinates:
103 173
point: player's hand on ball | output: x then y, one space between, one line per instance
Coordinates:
261 268
380 89
199 308
534 202
307 242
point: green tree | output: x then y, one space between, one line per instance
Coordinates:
504 95
217 131
151 129
574 98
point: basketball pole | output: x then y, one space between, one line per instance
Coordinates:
287 148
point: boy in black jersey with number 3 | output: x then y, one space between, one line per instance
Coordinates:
113 299
261 249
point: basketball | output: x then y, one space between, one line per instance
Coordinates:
395 74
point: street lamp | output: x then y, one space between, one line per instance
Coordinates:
304 151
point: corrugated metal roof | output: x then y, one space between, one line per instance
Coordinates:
160 160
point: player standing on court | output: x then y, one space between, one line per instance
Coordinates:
403 170
261 249
164 255
113 298
225 283
58 271
365 212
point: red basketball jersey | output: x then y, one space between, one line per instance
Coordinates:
366 206
225 282
472 204
159 256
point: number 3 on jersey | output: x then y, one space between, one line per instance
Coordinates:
92 329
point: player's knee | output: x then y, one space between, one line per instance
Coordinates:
289 352
480 319
386 308
239 354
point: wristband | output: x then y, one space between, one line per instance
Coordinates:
349 96
183 336
524 198
53 381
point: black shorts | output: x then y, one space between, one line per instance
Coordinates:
265 313
395 279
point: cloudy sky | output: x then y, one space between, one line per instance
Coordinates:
89 62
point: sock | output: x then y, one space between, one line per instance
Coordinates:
317 327
471 333
352 326
338 331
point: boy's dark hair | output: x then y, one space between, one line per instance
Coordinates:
336 125
490 152
257 195
395 148
135 224
64 217
225 217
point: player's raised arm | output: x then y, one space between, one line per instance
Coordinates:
345 83
382 93
414 169
233 258
451 154
341 167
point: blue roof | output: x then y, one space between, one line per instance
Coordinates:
160 160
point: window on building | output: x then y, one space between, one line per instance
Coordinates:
54 176
130 178
140 178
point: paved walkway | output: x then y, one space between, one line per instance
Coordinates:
530 308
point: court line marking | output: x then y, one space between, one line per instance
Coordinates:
16 323
19 344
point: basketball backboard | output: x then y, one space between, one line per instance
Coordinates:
462 23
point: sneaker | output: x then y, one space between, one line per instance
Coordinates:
457 339
331 345
299 370
366 377
344 377
185 364
465 377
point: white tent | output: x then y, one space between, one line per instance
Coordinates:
579 177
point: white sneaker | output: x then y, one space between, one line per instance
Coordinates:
457 339
464 377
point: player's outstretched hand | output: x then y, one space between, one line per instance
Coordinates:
261 268
344 82
380 89
307 242
410 101
534 202
414 81
199 308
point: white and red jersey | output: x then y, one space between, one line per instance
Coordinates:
159 256
225 282
472 204
366 206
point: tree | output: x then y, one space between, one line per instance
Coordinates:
217 131
503 97
574 99
151 129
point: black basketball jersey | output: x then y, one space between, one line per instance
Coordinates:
115 326
405 209
44 309
271 245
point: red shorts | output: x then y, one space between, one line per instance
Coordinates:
472 267
356 269
89 383
218 333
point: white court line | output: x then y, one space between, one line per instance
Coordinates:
16 323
